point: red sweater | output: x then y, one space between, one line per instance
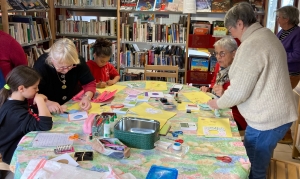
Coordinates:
105 73
235 112
11 53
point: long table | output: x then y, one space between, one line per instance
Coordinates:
197 163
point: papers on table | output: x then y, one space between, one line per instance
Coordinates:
197 97
112 88
147 111
49 139
154 94
156 85
214 127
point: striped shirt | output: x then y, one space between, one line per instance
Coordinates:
286 33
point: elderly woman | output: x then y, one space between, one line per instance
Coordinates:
259 86
64 75
225 49
289 35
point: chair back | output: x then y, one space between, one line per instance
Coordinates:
279 169
161 71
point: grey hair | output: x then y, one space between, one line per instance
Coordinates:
289 12
63 51
227 43
242 11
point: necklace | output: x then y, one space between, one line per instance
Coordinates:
63 80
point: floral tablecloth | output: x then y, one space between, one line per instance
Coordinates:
195 164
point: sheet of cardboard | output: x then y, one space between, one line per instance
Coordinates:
214 127
156 85
197 97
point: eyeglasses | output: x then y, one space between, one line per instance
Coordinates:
64 68
230 28
221 54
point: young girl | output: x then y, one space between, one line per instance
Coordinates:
104 72
16 118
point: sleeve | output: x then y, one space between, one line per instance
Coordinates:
90 87
30 123
294 56
112 71
17 54
213 81
243 78
85 75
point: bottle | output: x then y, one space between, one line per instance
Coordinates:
112 124
106 132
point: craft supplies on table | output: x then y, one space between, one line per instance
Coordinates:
112 147
61 149
49 139
83 156
214 127
173 149
137 132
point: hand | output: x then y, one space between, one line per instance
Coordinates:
101 85
213 104
54 107
85 104
219 90
204 89
110 82
39 97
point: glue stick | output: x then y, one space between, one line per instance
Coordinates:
106 132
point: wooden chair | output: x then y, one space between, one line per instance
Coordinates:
279 169
165 71
3 166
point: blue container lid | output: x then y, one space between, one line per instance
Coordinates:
160 172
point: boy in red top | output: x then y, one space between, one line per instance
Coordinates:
104 72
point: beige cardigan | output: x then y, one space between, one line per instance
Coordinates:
259 81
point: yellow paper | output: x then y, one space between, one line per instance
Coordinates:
182 106
96 109
197 97
156 85
112 88
219 127
147 111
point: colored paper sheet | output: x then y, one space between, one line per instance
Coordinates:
182 106
197 97
147 111
156 85
96 109
112 88
214 127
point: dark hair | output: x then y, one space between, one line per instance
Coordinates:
21 75
242 11
102 47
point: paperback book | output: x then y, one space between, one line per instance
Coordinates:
146 5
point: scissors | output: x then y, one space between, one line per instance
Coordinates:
224 159
176 133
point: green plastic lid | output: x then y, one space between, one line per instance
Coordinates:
112 119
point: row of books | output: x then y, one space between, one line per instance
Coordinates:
168 55
27 4
217 28
94 27
33 53
150 32
99 3
28 29
85 50
153 5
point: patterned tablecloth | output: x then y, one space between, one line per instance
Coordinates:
196 164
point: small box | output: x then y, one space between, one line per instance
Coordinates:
137 132
83 156
100 146
162 172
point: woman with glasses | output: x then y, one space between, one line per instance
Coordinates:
225 49
289 35
259 87
64 74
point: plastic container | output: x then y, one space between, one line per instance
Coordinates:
137 132
160 172
106 132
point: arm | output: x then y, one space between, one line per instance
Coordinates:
294 55
86 78
113 74
17 55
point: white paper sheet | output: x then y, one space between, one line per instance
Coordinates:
189 6
49 139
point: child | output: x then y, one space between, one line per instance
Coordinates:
104 72
16 118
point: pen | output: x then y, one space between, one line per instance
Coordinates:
102 105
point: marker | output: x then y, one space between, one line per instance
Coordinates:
102 105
